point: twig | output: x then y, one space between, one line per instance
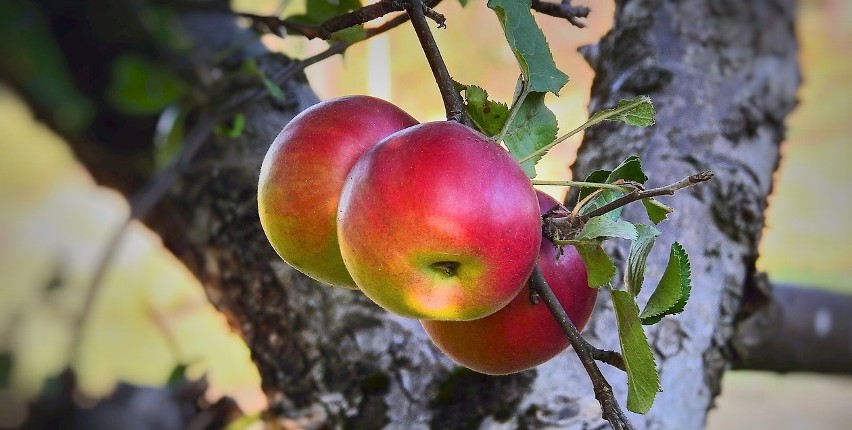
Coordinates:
141 203
452 99
435 16
107 255
358 16
582 203
157 187
396 21
639 195
610 410
613 358
336 48
326 30
562 10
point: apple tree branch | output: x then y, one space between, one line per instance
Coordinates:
452 99
791 328
587 354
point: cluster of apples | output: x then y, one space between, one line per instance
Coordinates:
431 221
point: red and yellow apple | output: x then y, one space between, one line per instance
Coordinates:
303 174
523 334
439 222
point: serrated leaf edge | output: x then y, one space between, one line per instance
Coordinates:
468 108
666 208
679 254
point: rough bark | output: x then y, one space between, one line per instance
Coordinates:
723 76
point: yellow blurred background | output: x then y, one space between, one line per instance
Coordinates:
151 314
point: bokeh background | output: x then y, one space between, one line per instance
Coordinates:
152 315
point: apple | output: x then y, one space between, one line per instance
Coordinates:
439 222
303 174
523 334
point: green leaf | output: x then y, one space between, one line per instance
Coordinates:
463 2
250 67
638 111
672 292
319 11
603 198
643 381
487 116
273 88
178 374
533 127
33 63
351 34
598 265
54 283
168 136
246 422
529 45
638 256
657 212
164 25
603 227
598 177
629 170
138 86
235 128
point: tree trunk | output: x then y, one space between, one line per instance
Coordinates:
723 76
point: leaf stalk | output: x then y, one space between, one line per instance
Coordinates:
595 119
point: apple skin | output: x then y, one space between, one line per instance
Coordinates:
303 174
439 222
522 335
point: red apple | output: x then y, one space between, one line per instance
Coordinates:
303 174
523 334
439 222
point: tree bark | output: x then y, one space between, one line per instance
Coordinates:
818 322
723 76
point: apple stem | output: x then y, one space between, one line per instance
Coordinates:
587 354
452 99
